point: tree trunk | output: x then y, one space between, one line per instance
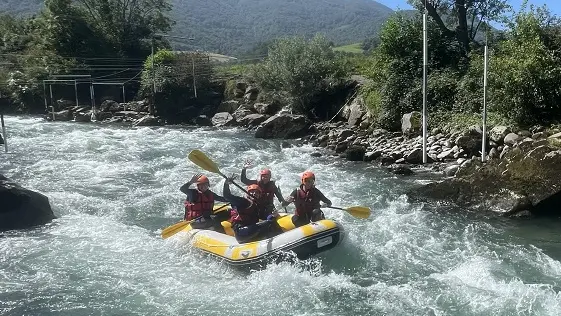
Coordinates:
462 29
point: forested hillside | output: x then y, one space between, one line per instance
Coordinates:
236 26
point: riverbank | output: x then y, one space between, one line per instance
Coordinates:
503 184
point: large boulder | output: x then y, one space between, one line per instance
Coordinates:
21 207
223 119
284 126
411 124
524 181
148 120
356 112
229 106
498 133
252 120
355 153
110 106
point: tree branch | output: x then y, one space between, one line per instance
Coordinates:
431 10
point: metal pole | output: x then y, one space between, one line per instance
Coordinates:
52 105
151 108
92 101
4 133
425 67
484 136
93 95
194 81
124 98
76 92
45 96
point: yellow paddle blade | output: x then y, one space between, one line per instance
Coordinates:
174 229
177 227
201 160
359 211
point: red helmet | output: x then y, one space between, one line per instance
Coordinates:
202 179
308 175
253 187
265 172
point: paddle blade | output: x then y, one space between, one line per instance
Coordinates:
359 211
201 160
174 229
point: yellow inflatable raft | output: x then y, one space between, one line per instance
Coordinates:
304 241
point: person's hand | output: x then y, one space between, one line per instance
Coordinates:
231 178
195 178
325 205
247 163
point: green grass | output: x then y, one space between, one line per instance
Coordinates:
352 48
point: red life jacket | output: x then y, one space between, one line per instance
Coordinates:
306 202
204 202
245 217
267 192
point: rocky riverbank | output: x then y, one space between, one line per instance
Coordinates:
518 179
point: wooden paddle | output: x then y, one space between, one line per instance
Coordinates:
356 211
177 227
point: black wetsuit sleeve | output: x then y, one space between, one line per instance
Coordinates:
245 180
236 201
278 194
185 188
189 192
219 198
322 197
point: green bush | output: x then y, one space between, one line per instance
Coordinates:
301 67
525 75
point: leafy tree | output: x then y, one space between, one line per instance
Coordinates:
128 25
462 18
370 44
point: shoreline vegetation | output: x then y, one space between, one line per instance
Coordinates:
362 107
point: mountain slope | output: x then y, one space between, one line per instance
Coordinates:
236 26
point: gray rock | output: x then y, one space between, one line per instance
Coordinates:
252 120
357 111
415 156
21 207
450 171
229 106
511 139
494 153
411 123
400 170
372 155
223 119
148 120
498 133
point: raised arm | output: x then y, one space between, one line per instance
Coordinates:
244 179
236 201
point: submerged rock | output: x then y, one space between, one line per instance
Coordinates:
21 207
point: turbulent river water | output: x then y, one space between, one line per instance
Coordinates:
114 188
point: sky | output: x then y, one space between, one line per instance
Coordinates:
553 5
